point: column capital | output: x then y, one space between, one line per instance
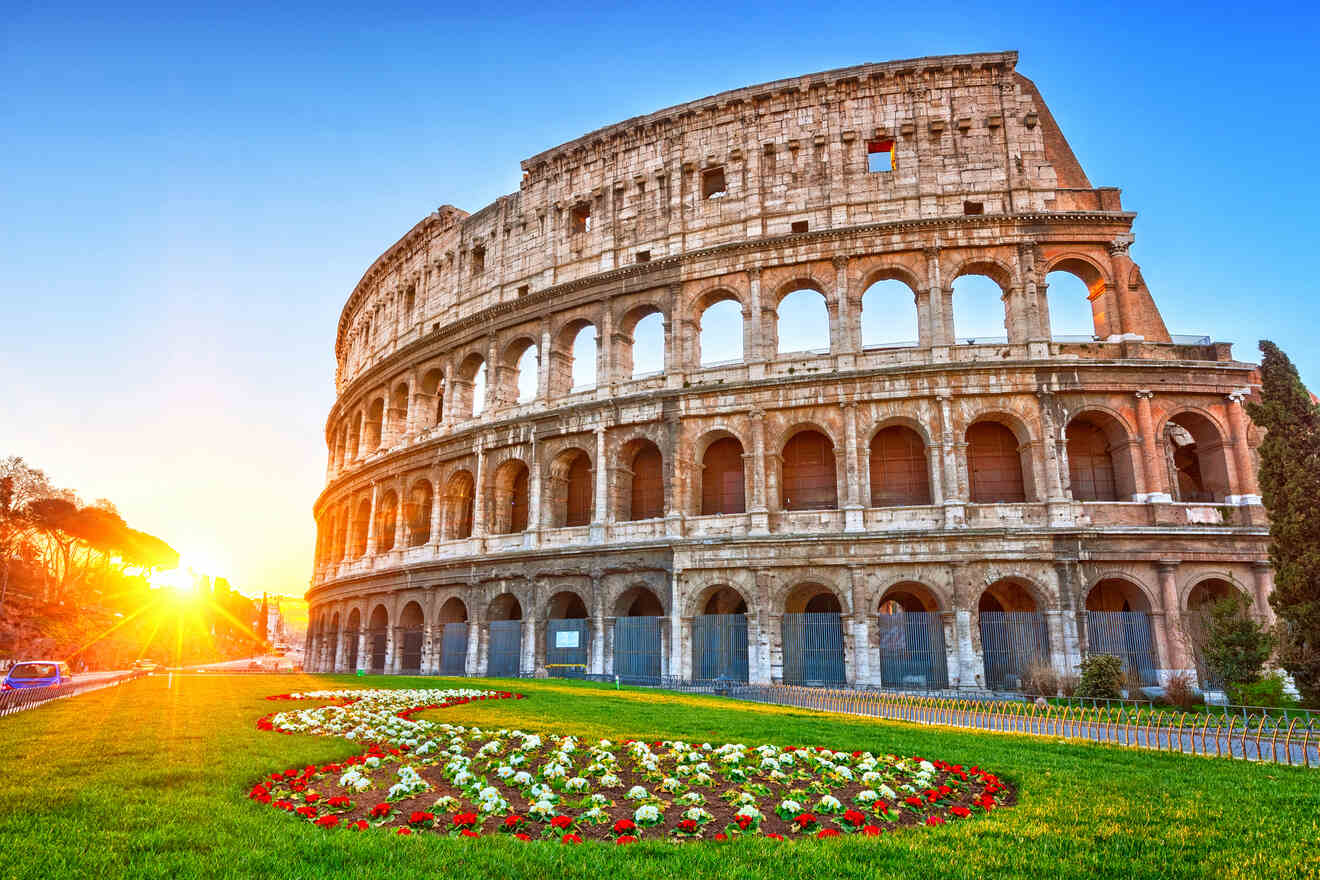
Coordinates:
1238 395
1167 566
1262 565
756 413
753 274
1144 394
1119 246
840 263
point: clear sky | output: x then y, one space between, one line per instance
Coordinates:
188 197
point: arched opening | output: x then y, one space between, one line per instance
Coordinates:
1068 298
504 657
910 633
398 420
1013 635
1099 458
1118 623
802 323
813 636
569 490
387 520
452 623
411 632
522 363
994 463
900 475
719 636
417 513
361 526
639 349
979 316
378 638
342 535
509 510
809 474
568 635
720 333
1195 457
433 397
375 424
353 631
332 643
723 486
645 485
637 636
889 315
469 395
1200 605
355 438
458 506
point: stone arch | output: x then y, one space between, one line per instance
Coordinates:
417 513
720 598
375 424
471 387
999 462
452 610
972 315
432 397
412 615
569 489
723 475
565 605
1011 594
638 320
1195 457
353 631
1113 592
411 636
910 595
458 510
1093 278
509 494
567 342
793 301
641 480
361 525
899 465
814 597
708 328
398 414
505 606
1200 595
809 477
520 355
1101 456
355 437
639 600
887 293
387 515
1205 588
378 638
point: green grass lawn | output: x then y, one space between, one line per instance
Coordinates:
152 780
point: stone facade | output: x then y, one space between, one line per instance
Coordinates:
1023 475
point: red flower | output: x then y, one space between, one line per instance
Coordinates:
773 836
625 838
960 812
359 825
721 836
852 817
339 801
419 816
512 821
309 812
381 809
283 805
688 826
468 832
881 807
871 830
258 791
405 830
945 791
743 821
521 836
827 832
570 838
561 822
913 801
465 820
805 819
328 821
934 820
623 826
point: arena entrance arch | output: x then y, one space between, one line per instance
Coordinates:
1118 623
452 623
379 638
638 639
910 632
567 635
719 637
813 637
504 658
1013 635
412 625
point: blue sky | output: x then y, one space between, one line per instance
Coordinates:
189 196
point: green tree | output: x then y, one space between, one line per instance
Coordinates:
1236 646
1290 487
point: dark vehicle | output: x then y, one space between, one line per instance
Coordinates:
36 674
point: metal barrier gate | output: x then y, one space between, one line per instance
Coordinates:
566 646
453 648
378 641
813 649
410 657
719 646
912 651
1128 636
505 654
637 649
1011 641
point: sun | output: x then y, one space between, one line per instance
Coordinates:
179 583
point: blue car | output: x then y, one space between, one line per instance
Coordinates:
37 674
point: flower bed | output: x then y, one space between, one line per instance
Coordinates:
423 776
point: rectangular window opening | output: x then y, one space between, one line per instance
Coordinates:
973 207
524 290
478 260
712 184
799 226
879 156
643 257
580 219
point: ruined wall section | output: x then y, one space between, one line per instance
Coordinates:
969 135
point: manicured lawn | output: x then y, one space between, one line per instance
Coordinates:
151 780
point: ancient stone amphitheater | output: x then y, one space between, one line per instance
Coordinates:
930 512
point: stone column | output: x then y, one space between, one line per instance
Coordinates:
955 511
861 625
371 520
754 353
437 511
675 624
400 519
1263 574
1155 489
1172 614
1247 490
534 495
853 506
1058 507
479 494
363 661
472 659
844 337
605 378
429 665
601 515
596 656
760 519
971 661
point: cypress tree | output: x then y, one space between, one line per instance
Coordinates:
1290 488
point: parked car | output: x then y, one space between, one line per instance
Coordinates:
149 665
36 674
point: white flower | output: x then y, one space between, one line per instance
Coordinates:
646 813
888 792
692 797
599 799
749 811
504 771
866 796
870 777
636 793
609 780
577 783
928 766
696 814
541 809
669 783
521 778
828 803
790 807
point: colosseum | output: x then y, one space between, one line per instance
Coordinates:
553 451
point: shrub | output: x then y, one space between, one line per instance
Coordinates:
1179 691
1102 677
1267 692
1041 679
1236 646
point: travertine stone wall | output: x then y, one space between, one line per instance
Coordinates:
428 502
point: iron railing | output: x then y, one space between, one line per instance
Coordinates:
27 698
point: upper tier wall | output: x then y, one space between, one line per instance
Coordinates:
964 129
